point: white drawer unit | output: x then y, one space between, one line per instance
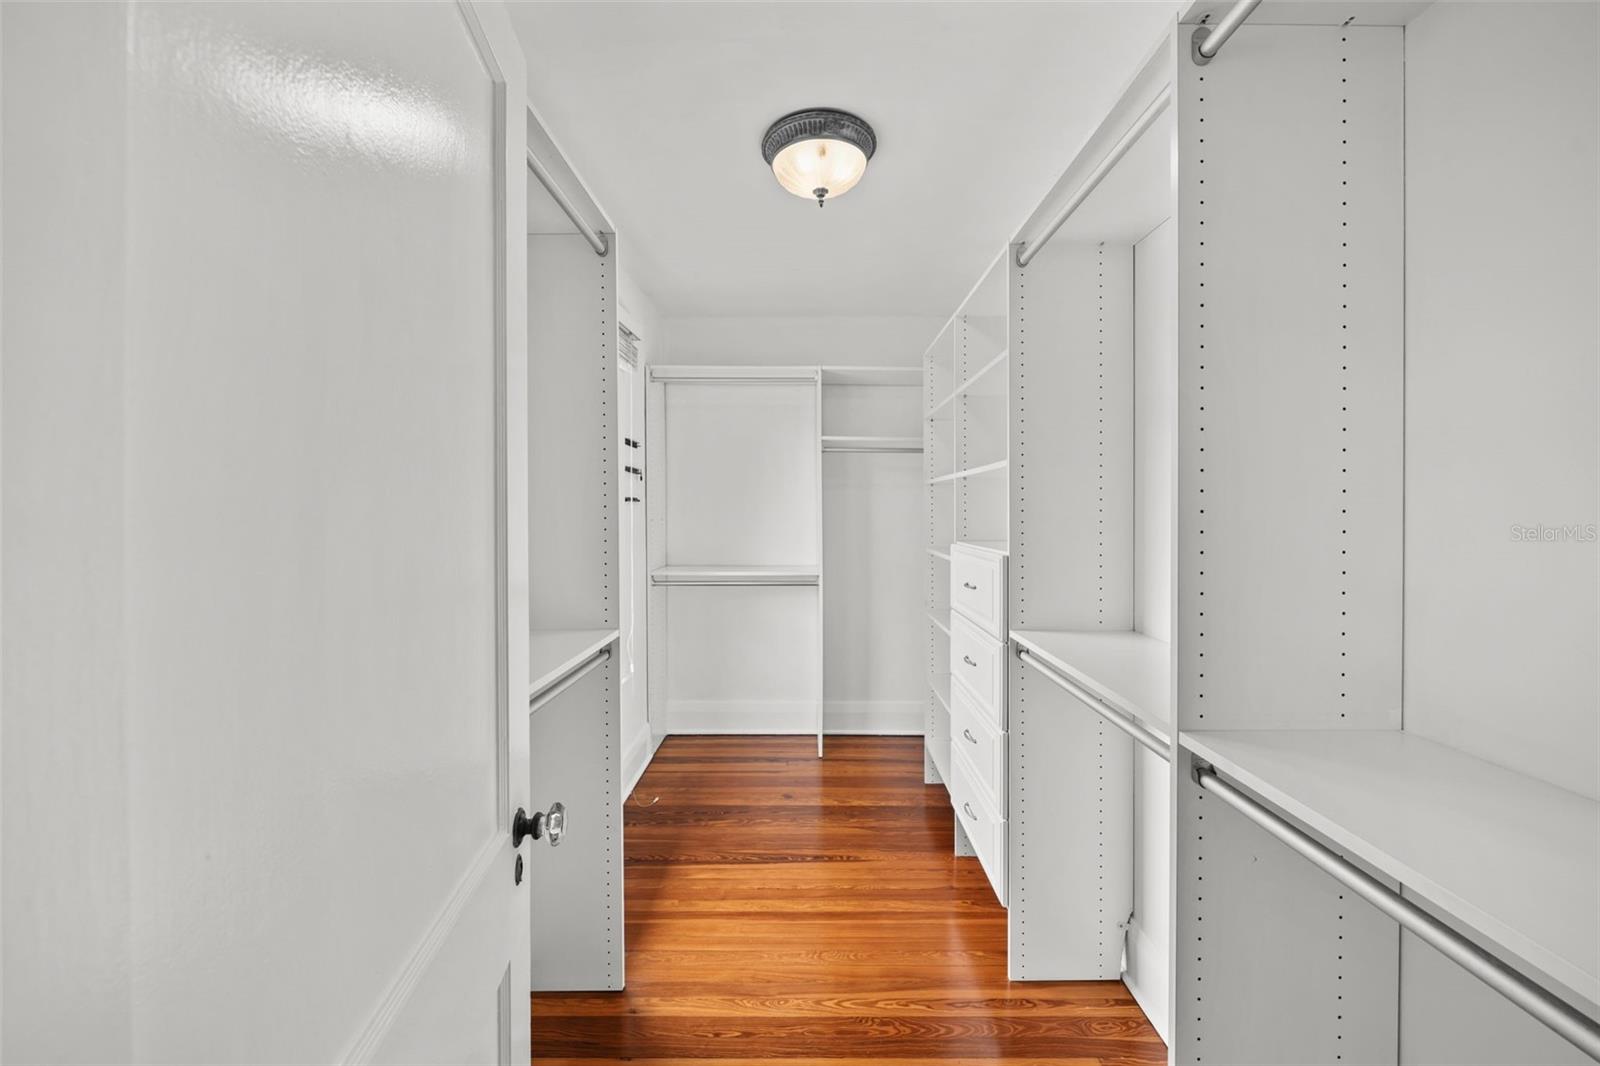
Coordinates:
985 829
978 587
978 662
975 734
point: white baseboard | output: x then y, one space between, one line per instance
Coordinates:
1146 978
795 717
636 759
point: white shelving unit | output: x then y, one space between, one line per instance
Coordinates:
735 549
574 724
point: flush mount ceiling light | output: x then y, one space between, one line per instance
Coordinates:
818 152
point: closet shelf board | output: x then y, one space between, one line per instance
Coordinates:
938 623
871 444
940 685
1131 672
976 471
937 554
986 382
890 376
1498 854
553 652
735 374
1002 547
735 575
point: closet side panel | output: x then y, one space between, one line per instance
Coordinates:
1502 447
1289 529
1072 428
572 360
1290 379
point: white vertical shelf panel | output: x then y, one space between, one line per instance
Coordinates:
1289 529
1290 381
1071 498
572 438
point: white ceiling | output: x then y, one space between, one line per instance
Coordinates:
978 108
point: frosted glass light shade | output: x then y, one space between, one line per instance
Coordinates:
820 153
819 169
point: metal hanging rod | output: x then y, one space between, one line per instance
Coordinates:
567 680
596 240
1026 251
832 448
1207 41
1134 729
1571 1024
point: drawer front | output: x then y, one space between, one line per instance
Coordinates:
978 661
972 731
978 588
983 826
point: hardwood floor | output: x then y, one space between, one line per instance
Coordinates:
785 907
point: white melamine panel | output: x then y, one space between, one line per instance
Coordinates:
981 825
740 473
741 660
1071 790
1072 427
1290 368
978 587
265 590
572 440
1449 1016
974 733
1155 423
1502 476
1509 857
575 741
875 678
872 410
977 663
1129 671
1148 966
1277 963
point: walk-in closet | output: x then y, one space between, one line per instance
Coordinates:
1186 549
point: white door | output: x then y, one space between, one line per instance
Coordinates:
263 591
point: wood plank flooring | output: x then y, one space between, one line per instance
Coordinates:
809 911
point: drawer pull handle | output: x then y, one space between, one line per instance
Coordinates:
968 808
968 660
969 585
968 734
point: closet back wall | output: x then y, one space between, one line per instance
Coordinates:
872 505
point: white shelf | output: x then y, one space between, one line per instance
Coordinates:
1128 671
553 652
871 444
983 383
882 376
734 375
735 575
976 471
938 623
937 554
1001 546
939 684
1500 855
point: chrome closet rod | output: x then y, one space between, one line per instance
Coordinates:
1208 40
1134 729
568 679
1147 118
596 240
1581 1031
747 582
885 451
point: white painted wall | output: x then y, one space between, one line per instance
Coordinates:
1155 379
1502 354
767 341
1501 385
